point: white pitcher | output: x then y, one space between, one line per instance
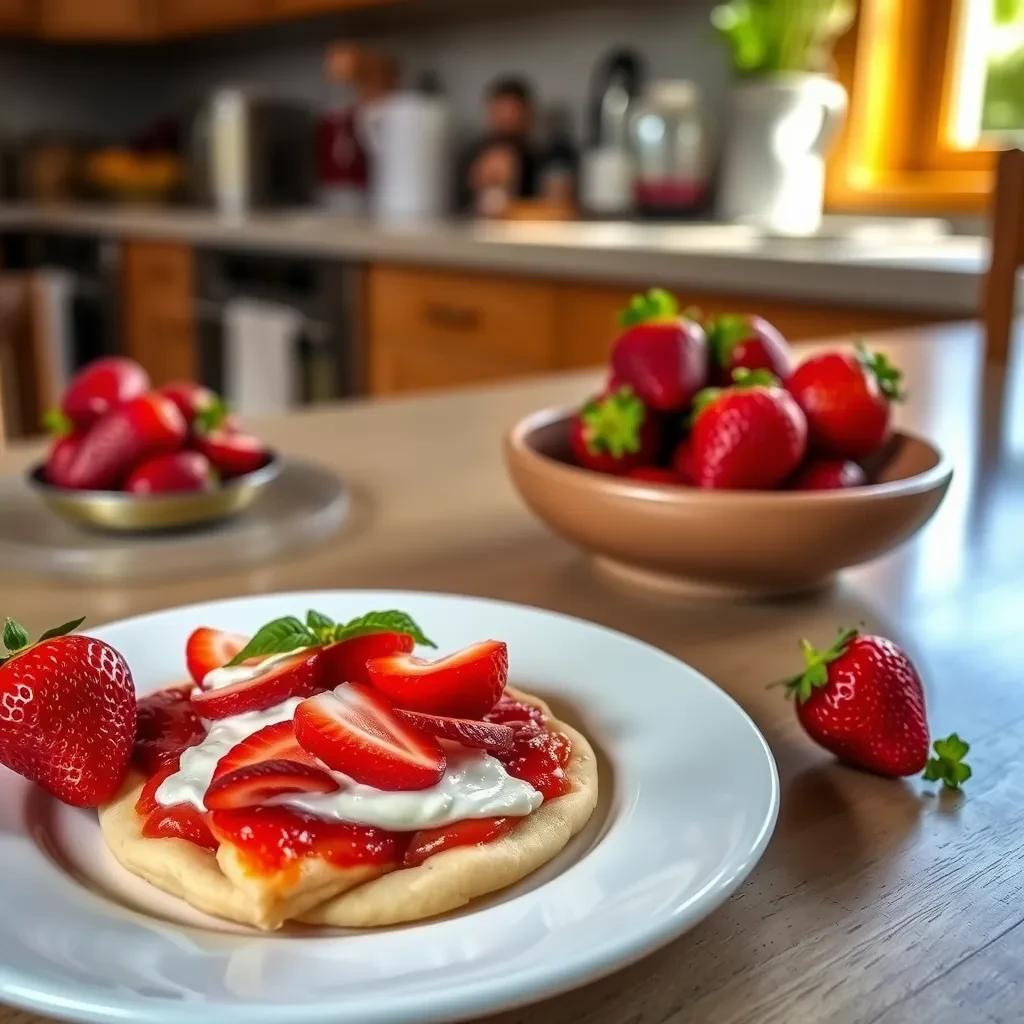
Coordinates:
773 170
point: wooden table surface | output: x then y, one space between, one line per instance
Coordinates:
877 900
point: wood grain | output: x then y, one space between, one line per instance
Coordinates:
878 901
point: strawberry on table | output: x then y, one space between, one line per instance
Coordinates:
466 684
101 386
67 713
828 475
139 429
175 472
355 730
847 399
255 784
269 683
208 648
614 433
948 765
862 699
467 731
660 354
739 341
749 436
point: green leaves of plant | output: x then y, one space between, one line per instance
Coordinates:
948 766
290 633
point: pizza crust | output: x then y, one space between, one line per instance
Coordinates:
317 892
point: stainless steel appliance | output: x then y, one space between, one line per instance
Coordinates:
249 151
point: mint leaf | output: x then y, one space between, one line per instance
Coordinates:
62 630
382 622
15 635
322 625
277 637
948 766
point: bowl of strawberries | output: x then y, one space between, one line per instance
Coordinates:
129 457
712 459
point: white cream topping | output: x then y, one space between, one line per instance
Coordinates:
218 678
474 785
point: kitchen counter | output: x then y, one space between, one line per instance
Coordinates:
909 266
877 900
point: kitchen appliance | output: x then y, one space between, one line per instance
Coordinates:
668 138
249 151
409 137
606 168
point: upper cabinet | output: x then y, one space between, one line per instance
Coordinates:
133 21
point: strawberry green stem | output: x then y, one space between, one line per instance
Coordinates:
656 304
889 377
16 641
613 423
815 673
56 423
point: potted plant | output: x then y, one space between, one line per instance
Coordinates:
787 108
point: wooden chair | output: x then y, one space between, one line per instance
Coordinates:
1007 255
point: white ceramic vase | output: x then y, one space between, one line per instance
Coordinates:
773 170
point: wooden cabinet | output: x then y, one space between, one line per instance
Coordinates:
97 20
18 17
158 308
194 17
429 328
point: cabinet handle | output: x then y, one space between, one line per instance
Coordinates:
455 318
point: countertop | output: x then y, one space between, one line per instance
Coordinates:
878 901
909 264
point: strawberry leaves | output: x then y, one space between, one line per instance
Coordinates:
16 640
889 377
948 765
290 633
612 423
815 673
656 304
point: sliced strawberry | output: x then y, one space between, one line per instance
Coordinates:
295 676
471 832
355 730
509 710
167 724
539 757
147 802
182 821
208 648
257 783
467 731
345 661
271 743
466 684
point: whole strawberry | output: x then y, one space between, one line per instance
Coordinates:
614 433
828 475
862 699
749 436
738 341
66 440
67 713
661 355
847 399
101 386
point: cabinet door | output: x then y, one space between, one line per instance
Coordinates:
158 308
428 329
97 19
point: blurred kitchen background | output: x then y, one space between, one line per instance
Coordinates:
296 200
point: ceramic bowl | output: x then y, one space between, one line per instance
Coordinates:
741 542
116 511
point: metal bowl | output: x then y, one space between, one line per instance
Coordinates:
118 512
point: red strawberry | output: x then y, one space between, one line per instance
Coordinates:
471 832
682 462
538 757
62 457
614 433
139 429
67 713
167 724
345 661
232 454
298 675
655 475
182 821
862 699
172 473
737 341
467 731
257 783
466 684
355 730
661 355
750 436
508 710
208 648
101 386
192 399
828 475
271 743
847 399
146 803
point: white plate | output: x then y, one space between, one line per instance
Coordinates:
689 800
